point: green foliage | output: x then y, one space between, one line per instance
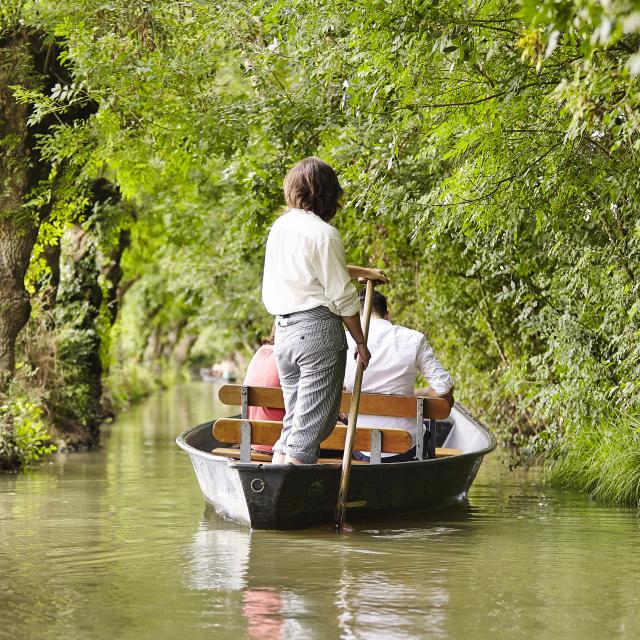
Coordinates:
24 438
489 153
129 382
497 205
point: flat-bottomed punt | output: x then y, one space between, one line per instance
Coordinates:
244 486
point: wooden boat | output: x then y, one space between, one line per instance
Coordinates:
254 492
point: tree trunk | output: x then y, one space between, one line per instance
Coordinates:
49 290
112 273
29 59
86 308
16 243
77 404
183 348
18 168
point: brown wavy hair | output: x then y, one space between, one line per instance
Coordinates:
313 185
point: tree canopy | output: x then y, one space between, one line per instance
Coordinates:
489 152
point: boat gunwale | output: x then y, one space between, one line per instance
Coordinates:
235 464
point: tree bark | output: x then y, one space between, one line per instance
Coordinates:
86 307
112 273
18 169
77 404
183 348
27 59
48 290
16 243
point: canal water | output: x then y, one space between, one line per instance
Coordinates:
117 544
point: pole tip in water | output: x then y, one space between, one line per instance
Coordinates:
343 527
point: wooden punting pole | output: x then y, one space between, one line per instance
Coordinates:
353 416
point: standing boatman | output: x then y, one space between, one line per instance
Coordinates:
307 286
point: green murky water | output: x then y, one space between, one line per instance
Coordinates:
117 544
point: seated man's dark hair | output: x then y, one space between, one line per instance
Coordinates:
379 305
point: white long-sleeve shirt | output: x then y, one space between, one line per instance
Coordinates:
305 267
397 354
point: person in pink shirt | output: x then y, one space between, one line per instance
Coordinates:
263 372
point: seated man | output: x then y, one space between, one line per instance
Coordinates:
397 355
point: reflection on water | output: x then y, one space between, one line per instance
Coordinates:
218 559
117 544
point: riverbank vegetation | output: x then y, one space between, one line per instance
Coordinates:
490 156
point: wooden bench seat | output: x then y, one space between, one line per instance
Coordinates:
375 404
376 440
256 456
267 432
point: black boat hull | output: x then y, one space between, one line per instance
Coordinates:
265 496
297 497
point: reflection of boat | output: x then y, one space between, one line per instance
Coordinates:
266 496
207 376
219 560
219 557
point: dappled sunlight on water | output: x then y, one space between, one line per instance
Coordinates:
117 543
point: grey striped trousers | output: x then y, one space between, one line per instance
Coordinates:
310 351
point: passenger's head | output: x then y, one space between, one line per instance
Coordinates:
313 185
379 305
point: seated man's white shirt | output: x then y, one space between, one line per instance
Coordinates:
397 355
305 267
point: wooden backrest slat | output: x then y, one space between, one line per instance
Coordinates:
268 432
370 403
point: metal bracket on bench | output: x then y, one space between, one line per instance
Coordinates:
245 441
419 429
244 400
375 455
